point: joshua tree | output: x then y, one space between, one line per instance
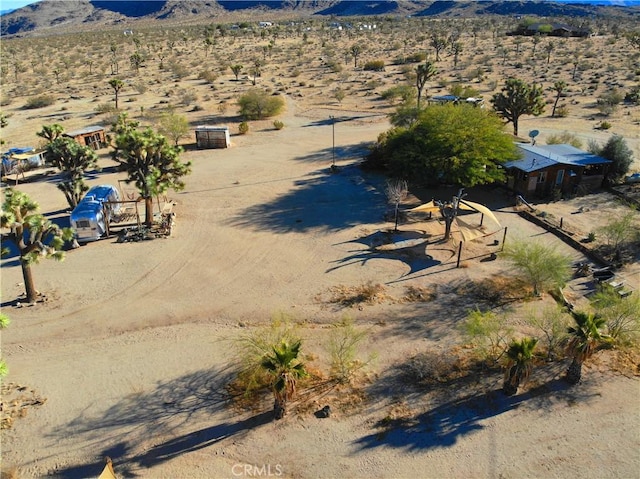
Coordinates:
520 356
284 367
236 69
516 99
423 73
549 47
438 43
51 132
117 85
73 160
355 52
456 50
151 162
559 87
34 236
586 337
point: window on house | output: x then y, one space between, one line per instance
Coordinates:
542 177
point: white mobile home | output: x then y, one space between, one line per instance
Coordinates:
90 219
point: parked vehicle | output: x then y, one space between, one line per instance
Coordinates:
92 216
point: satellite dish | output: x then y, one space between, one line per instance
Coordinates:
533 133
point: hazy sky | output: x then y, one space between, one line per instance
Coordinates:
11 4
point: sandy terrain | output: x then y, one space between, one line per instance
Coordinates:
130 354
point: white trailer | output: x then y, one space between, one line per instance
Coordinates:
90 219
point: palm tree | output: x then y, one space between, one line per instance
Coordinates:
586 337
285 369
520 355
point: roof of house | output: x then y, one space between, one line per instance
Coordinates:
534 158
84 131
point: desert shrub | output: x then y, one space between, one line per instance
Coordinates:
178 70
102 108
621 314
562 111
433 367
564 138
605 125
463 91
402 92
369 293
257 104
39 101
208 76
278 125
187 97
416 57
334 66
619 232
416 294
633 96
344 343
608 101
373 84
552 322
374 65
140 87
295 73
488 332
243 128
5 100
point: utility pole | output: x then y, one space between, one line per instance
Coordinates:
333 144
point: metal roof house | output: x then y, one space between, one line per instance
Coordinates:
91 136
550 169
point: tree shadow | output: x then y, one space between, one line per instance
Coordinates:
340 152
321 200
166 411
474 401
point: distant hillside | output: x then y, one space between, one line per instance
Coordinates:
45 15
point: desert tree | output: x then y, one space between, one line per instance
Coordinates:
619 231
519 364
34 236
339 94
559 88
173 126
541 265
447 144
424 73
621 156
285 368
136 60
535 39
634 39
456 50
256 70
586 337
438 42
396 191
51 132
549 47
517 98
355 51
73 160
236 69
151 163
117 85
257 104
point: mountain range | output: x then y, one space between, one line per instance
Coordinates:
41 17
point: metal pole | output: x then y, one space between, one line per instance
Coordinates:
504 237
459 253
333 144
481 218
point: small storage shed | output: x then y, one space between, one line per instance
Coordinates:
212 136
91 136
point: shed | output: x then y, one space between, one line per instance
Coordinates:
91 136
212 136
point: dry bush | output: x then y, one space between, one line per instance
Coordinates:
496 290
368 293
416 294
434 367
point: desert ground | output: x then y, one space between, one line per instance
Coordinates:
130 351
